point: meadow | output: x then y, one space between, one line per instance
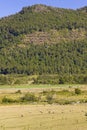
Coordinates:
43 107
43 117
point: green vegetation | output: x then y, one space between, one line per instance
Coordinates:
29 97
61 79
42 40
6 100
77 91
57 96
50 79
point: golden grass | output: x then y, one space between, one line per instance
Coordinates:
58 97
43 117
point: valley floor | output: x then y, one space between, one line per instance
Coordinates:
43 117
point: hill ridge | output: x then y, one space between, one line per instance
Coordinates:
39 41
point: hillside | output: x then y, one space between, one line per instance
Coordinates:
83 9
44 40
60 24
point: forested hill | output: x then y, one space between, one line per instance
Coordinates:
44 40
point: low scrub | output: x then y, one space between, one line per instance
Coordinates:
8 100
62 97
77 91
29 97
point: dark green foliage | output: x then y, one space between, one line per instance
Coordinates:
13 28
18 91
64 58
49 98
29 97
61 79
5 80
67 57
77 91
15 79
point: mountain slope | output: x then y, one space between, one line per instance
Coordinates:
40 18
44 40
83 9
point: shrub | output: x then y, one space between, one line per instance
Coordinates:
7 100
64 102
5 80
17 81
49 99
29 97
77 91
18 91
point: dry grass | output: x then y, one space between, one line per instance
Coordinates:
43 117
60 95
39 87
54 36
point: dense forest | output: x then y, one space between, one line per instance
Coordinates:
44 40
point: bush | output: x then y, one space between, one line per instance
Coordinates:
49 99
17 81
29 97
4 79
77 91
18 91
7 100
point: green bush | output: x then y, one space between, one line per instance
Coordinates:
49 98
77 91
7 100
17 81
29 97
18 91
4 79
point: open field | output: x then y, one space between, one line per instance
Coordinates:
44 113
42 94
43 117
40 87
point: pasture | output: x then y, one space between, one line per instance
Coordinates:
43 117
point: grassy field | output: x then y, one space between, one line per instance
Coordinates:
39 86
60 94
35 87
43 117
43 86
